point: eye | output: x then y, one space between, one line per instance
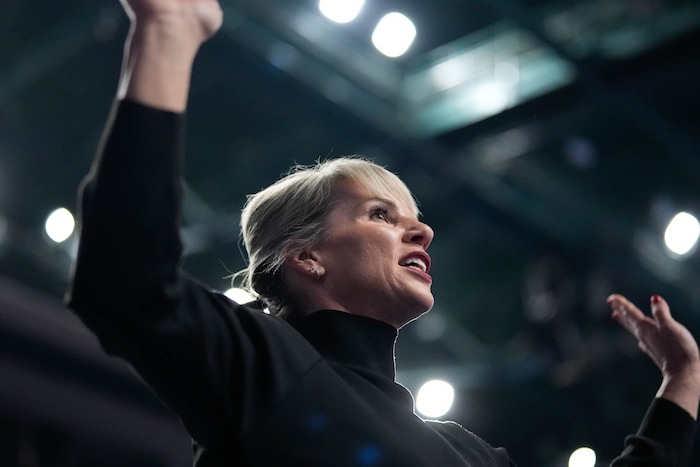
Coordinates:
380 213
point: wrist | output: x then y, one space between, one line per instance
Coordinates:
158 62
186 24
168 35
683 388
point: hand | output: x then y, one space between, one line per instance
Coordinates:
165 38
203 17
669 344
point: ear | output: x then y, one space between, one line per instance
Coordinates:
306 263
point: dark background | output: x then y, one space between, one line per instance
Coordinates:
541 207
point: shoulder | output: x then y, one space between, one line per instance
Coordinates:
469 444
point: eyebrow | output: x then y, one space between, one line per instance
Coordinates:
388 202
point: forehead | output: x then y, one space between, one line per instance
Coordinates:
396 195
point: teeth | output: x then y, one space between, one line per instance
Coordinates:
417 262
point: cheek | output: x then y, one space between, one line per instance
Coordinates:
350 255
369 252
367 260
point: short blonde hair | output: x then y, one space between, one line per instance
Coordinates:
290 216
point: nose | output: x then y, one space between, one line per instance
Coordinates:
419 233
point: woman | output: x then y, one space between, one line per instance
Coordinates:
338 255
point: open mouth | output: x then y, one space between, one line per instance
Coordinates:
416 263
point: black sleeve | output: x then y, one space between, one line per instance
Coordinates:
129 211
209 359
664 438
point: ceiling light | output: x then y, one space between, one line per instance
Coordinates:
394 34
239 295
340 11
582 457
681 235
435 398
59 225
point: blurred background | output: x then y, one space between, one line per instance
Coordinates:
550 142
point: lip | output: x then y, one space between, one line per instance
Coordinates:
421 255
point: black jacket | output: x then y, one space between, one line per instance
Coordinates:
251 388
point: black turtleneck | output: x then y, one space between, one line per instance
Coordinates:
360 344
351 340
252 389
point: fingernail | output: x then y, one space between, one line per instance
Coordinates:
655 299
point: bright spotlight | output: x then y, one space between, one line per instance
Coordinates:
59 225
435 398
394 34
341 11
582 457
682 233
239 295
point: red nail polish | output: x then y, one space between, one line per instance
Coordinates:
655 299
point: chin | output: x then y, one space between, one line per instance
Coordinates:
427 306
413 318
420 309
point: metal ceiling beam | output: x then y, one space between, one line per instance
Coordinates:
305 46
679 144
404 102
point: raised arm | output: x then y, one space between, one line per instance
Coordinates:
131 199
128 286
164 39
665 436
669 344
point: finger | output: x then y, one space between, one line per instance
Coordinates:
628 315
624 307
661 311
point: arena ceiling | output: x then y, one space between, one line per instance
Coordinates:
548 141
